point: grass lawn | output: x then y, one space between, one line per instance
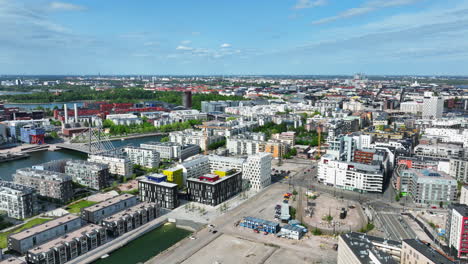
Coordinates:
76 207
29 224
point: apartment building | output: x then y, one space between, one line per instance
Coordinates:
357 248
431 187
440 150
91 174
50 184
130 218
459 169
433 106
220 163
32 237
464 195
288 137
350 175
414 251
155 189
257 170
457 231
54 165
96 213
19 201
195 167
212 189
171 150
118 164
69 246
147 158
194 137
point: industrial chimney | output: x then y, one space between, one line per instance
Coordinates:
76 112
187 100
66 113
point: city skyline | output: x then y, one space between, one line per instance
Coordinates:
290 37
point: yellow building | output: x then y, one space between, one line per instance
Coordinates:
222 173
175 175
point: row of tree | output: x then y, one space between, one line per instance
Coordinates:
116 95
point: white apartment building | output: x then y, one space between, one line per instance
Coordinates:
240 145
433 106
456 233
223 163
19 201
458 169
412 107
257 170
195 167
172 150
118 164
448 134
124 119
190 136
350 175
464 195
147 158
441 150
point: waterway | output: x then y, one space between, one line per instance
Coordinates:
145 247
7 169
27 106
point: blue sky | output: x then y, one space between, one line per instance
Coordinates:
427 37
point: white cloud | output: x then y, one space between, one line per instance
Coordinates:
181 47
302 4
185 42
62 6
365 8
225 45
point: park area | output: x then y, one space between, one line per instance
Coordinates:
28 224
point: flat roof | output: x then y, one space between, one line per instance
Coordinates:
362 246
130 210
12 260
262 221
211 175
163 183
64 239
44 227
428 251
109 202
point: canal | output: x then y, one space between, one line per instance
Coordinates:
145 247
7 169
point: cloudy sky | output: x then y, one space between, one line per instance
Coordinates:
427 37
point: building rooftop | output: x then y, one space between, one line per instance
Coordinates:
43 174
364 246
12 260
262 221
213 176
65 239
429 252
43 227
87 163
109 202
11 187
128 211
163 183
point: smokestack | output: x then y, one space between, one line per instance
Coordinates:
66 113
187 99
76 112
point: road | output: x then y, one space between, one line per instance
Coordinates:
395 226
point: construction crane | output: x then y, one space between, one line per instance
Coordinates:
205 128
